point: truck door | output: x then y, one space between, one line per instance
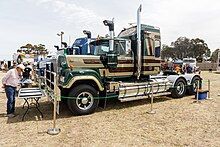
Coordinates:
117 62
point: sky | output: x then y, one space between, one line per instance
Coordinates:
39 21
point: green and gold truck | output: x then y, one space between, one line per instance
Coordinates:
125 67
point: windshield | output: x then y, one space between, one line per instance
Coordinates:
79 42
102 46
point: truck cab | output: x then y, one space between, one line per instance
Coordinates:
81 45
189 61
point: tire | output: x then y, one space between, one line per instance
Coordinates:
179 89
83 100
192 88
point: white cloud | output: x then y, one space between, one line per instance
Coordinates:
70 12
73 18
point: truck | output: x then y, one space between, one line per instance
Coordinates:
191 62
81 45
124 67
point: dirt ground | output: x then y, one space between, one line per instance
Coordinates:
177 122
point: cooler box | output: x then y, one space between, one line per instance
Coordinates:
202 94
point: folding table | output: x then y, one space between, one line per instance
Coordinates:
33 94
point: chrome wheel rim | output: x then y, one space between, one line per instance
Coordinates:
195 85
180 88
84 100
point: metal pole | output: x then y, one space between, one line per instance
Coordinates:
61 40
197 95
197 92
209 92
37 122
54 113
39 82
54 130
69 40
152 101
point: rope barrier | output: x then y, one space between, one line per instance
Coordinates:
147 92
55 131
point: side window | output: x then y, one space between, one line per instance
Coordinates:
100 47
120 47
104 49
150 46
99 50
129 52
157 48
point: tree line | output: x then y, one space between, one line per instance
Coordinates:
184 47
33 49
181 48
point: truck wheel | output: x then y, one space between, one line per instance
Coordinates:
84 100
179 89
193 86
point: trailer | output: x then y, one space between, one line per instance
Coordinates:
124 67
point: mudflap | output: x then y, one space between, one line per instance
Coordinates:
102 101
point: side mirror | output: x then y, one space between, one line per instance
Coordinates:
63 64
70 51
64 44
57 47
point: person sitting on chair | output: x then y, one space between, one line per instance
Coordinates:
26 80
27 72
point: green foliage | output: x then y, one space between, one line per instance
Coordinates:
33 49
167 52
184 47
215 55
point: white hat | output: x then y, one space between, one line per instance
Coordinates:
21 66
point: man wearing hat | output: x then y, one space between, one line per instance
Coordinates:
10 81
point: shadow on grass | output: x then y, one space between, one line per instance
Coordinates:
47 109
33 114
3 115
116 104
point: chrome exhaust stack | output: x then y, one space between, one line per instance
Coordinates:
139 42
88 33
110 24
